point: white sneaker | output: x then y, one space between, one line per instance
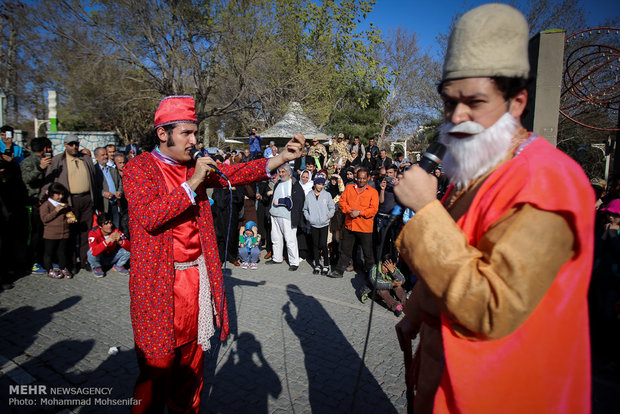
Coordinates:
253 266
244 265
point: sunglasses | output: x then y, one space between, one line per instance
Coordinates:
73 144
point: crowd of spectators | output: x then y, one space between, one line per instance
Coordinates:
48 204
334 207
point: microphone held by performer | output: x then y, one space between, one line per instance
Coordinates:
432 157
195 154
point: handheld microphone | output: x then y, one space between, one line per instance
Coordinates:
432 157
195 154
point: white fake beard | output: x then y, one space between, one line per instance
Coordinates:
469 158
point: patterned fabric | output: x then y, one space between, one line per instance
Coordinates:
342 147
153 213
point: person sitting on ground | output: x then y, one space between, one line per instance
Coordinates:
249 245
387 278
107 246
56 217
319 208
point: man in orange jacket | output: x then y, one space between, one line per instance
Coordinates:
504 263
360 204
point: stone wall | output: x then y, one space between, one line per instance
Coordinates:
88 139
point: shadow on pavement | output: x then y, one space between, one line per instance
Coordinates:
332 364
61 365
20 327
245 381
233 302
213 398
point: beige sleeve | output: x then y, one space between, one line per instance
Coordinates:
489 290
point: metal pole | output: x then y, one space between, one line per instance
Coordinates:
2 98
617 150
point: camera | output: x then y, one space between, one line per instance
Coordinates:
48 155
8 152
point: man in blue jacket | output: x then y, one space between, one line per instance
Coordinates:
255 140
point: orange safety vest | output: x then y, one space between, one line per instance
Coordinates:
543 366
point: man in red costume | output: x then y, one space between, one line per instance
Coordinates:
504 260
176 286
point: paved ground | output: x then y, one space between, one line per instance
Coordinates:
296 346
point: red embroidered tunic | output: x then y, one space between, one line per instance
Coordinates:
154 213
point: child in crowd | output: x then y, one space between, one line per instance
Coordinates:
249 245
386 278
319 208
56 217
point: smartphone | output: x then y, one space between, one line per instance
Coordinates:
48 155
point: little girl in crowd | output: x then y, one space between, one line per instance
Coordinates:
249 245
56 217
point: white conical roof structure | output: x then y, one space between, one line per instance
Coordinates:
293 122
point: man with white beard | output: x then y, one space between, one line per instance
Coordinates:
504 263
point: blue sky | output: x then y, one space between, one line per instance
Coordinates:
428 18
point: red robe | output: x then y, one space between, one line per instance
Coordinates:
543 366
153 214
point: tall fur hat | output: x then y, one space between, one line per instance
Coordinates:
490 40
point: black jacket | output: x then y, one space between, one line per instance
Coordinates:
383 163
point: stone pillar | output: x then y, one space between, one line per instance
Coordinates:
546 52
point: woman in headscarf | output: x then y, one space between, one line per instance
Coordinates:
369 162
305 181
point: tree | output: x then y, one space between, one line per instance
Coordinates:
411 75
243 61
358 113
540 15
13 58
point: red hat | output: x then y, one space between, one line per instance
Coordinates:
174 109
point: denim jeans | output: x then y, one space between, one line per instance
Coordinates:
251 256
119 258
